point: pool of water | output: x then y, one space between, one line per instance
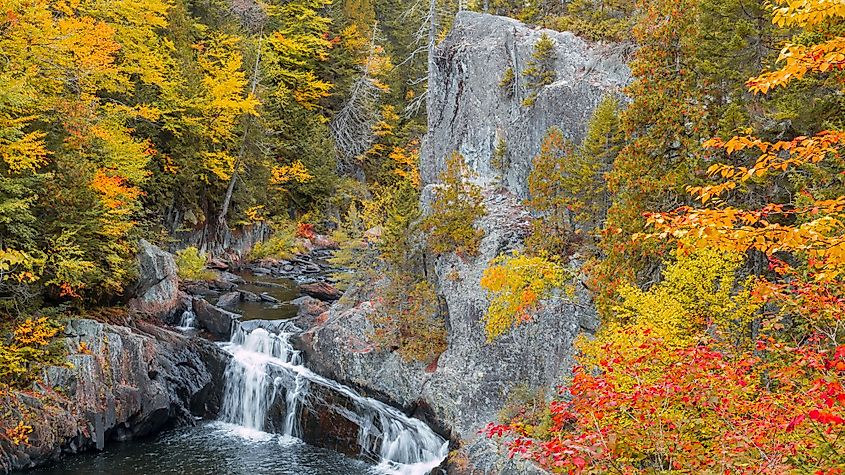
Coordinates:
211 449
283 290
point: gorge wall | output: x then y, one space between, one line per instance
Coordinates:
472 380
471 111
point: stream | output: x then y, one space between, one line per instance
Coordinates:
271 403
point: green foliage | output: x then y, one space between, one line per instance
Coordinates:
281 245
190 264
528 407
456 207
547 193
508 82
517 284
499 160
583 187
541 68
400 248
596 20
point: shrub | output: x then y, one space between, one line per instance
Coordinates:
30 349
190 264
281 245
408 319
516 284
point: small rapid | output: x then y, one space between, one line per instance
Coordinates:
265 366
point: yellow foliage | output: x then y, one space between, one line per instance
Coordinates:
406 161
700 291
17 265
296 172
30 349
19 435
190 264
806 12
36 332
516 284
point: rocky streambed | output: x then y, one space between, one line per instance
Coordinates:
220 351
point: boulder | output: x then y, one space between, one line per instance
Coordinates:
250 296
320 290
229 299
157 291
228 277
217 264
265 297
323 242
310 309
214 319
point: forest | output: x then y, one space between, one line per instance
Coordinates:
702 209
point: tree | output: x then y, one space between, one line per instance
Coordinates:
547 193
541 67
457 206
708 371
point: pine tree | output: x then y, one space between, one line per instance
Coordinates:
457 206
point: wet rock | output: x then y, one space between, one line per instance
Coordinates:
325 425
228 277
157 290
320 290
230 299
265 297
214 319
129 383
250 296
199 288
261 270
217 264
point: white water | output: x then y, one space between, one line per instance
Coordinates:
187 321
402 445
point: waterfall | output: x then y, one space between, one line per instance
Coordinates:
187 321
264 365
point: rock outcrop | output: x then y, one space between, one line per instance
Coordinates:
473 379
471 112
122 383
470 383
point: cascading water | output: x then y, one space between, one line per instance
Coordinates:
402 445
187 321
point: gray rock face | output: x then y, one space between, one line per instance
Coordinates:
157 291
471 111
126 383
230 299
471 381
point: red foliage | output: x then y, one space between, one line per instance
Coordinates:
305 230
776 409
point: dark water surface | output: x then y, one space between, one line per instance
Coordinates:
211 449
284 290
